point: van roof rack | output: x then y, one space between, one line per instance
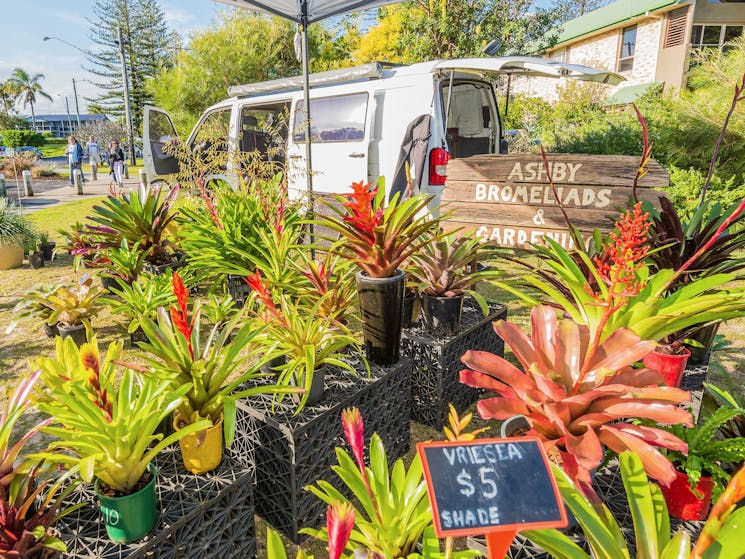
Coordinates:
370 71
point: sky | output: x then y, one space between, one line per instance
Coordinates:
23 25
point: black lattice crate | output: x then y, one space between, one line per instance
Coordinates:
238 289
205 516
293 451
435 379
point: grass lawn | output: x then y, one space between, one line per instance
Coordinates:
53 150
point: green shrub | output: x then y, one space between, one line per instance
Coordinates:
17 138
686 184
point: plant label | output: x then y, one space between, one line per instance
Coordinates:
490 485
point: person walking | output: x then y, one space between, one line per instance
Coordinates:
74 153
116 162
93 149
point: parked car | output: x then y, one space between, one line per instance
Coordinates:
30 149
362 119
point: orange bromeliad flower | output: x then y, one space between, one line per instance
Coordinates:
180 315
623 255
360 203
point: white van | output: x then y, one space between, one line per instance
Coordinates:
366 121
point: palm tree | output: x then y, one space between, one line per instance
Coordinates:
27 88
7 96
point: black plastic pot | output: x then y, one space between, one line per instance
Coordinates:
381 306
137 336
412 306
77 333
269 367
705 336
317 386
442 315
36 260
51 330
47 250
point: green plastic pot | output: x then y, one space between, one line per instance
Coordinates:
130 517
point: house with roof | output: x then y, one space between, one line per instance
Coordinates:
63 125
649 42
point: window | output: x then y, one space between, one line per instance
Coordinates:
213 131
333 119
676 27
714 36
559 55
628 47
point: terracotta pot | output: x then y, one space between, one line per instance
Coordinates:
682 502
201 451
671 367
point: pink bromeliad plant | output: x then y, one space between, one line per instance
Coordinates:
579 393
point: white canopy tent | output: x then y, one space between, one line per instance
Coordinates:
305 12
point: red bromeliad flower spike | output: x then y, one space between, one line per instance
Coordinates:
180 315
360 203
89 358
339 523
354 432
256 282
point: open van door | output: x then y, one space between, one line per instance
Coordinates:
530 66
158 130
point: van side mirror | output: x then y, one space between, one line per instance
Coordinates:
503 147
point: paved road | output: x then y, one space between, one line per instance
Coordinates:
51 193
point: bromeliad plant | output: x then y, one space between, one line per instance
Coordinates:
330 285
29 508
651 522
392 509
140 299
307 340
104 417
124 263
615 288
141 217
444 268
71 306
378 239
210 370
575 392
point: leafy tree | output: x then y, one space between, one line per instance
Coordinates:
148 45
570 9
27 87
425 29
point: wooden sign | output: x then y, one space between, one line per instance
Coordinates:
507 199
491 485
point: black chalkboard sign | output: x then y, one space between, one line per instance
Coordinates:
490 484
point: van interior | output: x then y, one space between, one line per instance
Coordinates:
471 117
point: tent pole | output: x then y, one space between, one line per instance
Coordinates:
306 95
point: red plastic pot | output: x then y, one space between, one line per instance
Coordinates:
671 367
682 502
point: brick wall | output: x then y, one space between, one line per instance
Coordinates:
601 51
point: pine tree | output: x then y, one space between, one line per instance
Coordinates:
148 46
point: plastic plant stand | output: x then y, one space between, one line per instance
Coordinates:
293 451
208 516
435 380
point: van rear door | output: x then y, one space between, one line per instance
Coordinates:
340 133
158 130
